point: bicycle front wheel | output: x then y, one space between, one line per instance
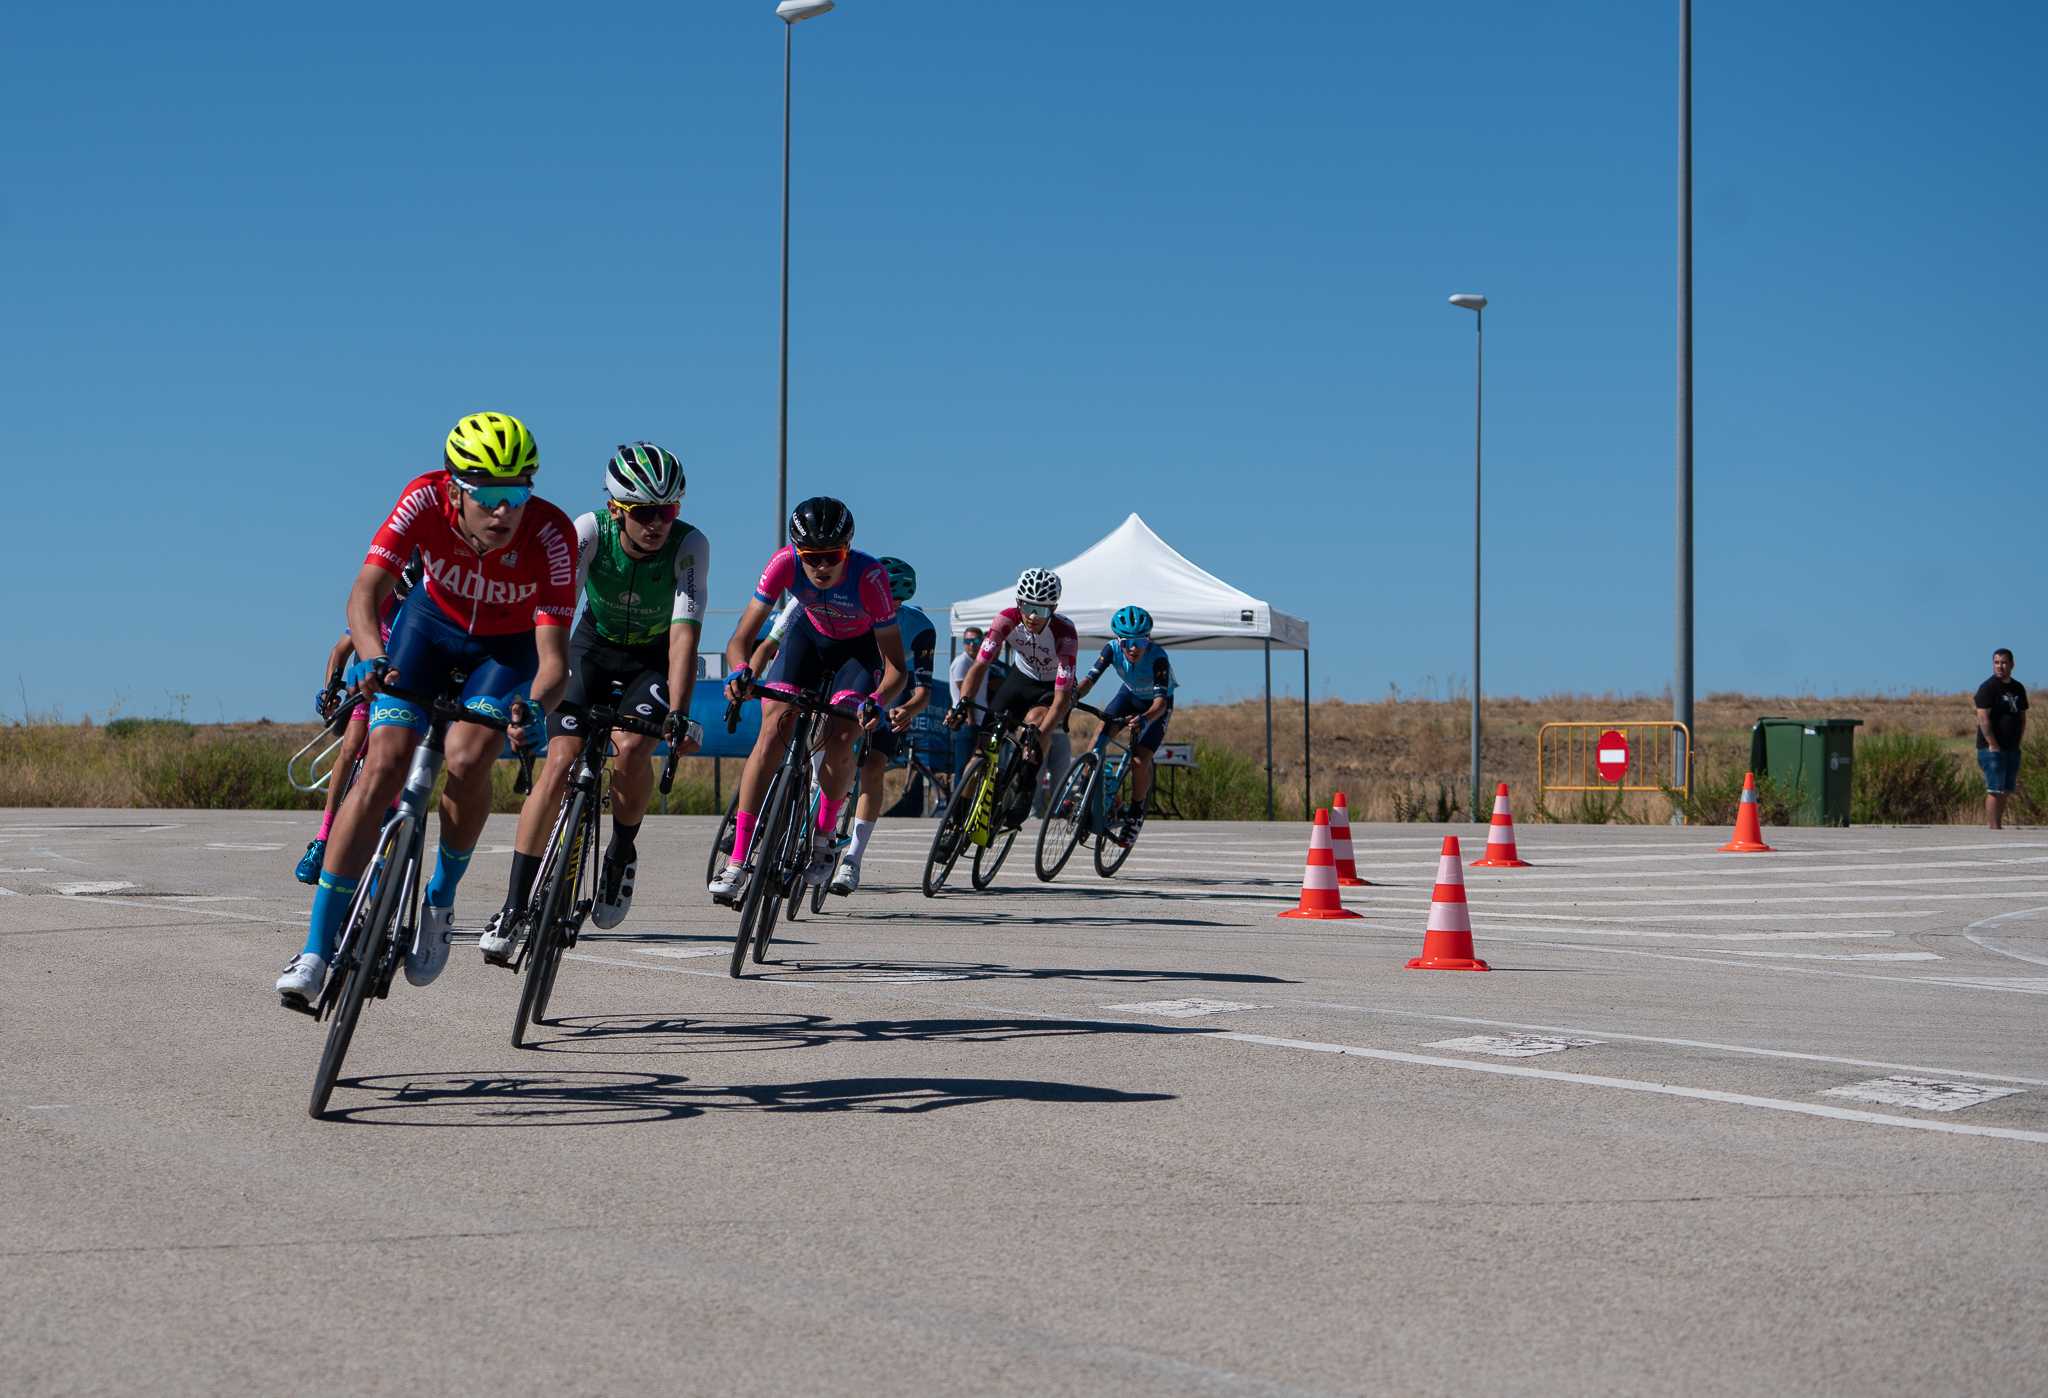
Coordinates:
1066 819
952 827
721 843
1110 856
552 903
762 900
988 858
364 941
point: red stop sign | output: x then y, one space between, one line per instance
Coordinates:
1610 755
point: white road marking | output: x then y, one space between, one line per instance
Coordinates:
2028 985
1924 1094
1489 928
73 890
1975 895
2033 983
37 869
684 953
50 1107
1513 1045
245 847
1830 955
1183 1009
185 905
1699 1094
2000 919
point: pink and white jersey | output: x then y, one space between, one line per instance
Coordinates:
1043 655
855 605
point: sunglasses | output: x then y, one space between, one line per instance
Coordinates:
822 558
648 514
1036 613
491 497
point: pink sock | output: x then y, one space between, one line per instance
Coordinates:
828 814
742 834
326 824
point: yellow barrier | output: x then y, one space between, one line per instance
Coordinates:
1565 758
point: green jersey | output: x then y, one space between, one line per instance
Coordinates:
633 601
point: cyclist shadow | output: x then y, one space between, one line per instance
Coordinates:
577 1097
747 1033
912 972
922 916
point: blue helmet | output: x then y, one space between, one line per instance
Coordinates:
1131 623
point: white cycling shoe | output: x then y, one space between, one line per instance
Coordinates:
613 898
428 955
300 984
500 935
847 879
729 884
821 860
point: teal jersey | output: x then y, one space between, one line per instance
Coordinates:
1150 676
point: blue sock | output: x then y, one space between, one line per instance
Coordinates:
331 897
449 868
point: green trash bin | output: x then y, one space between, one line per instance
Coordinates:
1813 761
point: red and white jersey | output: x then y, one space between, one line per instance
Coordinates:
528 583
1046 654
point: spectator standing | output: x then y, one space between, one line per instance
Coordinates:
963 736
2001 728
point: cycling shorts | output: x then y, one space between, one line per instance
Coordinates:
1150 735
596 664
432 656
1018 695
853 664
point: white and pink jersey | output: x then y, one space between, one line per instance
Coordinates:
1047 654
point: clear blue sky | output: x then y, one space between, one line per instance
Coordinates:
1054 262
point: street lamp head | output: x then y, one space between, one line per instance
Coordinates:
795 11
1470 300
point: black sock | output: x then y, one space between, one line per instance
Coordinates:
623 836
524 867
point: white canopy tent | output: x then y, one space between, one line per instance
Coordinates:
1192 609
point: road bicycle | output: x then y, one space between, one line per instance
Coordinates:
1087 807
565 886
383 920
984 810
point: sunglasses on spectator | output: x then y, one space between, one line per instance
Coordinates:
822 558
648 514
491 497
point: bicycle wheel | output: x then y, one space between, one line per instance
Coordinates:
555 893
790 864
364 940
721 844
762 896
1066 819
989 858
1110 856
952 828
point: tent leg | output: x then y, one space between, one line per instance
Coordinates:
1306 785
1269 730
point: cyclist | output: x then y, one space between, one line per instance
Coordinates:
920 641
1145 701
643 574
343 670
495 608
1039 689
845 632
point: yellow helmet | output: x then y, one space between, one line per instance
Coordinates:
492 444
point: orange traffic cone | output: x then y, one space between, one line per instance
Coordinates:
1319 896
1749 831
1340 845
1447 944
1500 837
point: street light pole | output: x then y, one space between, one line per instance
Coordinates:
791 13
1682 686
1477 305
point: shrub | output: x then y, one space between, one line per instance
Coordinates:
1907 779
1716 792
1223 784
124 729
1419 807
239 772
2029 804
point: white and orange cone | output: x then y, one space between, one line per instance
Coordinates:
1319 896
1500 837
1447 944
1749 828
1340 845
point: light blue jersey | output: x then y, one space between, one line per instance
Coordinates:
1148 677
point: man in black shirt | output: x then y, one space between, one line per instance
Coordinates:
2001 725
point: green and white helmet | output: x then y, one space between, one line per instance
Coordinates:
643 474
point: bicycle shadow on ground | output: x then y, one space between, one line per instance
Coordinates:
1008 919
786 969
594 1098
747 1033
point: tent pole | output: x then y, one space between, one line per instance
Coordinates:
1306 786
1269 728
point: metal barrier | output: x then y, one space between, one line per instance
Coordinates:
1567 760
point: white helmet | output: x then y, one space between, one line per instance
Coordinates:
1039 587
643 474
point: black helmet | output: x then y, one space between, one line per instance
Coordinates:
820 523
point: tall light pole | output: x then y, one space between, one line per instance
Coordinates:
791 13
1476 304
1681 689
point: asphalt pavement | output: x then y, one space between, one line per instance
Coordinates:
1712 1124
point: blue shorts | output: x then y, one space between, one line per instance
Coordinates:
433 656
1151 735
2001 770
852 664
